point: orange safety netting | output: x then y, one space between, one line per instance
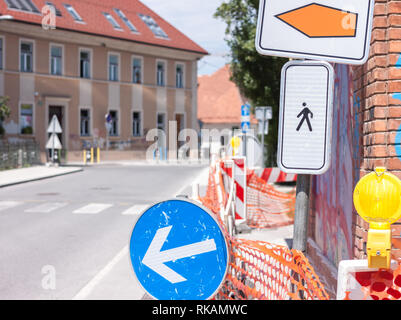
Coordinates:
262 271
268 207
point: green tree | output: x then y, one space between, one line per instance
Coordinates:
4 112
257 76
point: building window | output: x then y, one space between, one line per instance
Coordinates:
26 57
136 124
113 67
153 26
26 119
1 54
179 76
26 5
126 21
84 64
161 121
73 13
113 22
85 122
137 70
56 60
160 73
114 123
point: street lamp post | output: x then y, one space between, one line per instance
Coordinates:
263 115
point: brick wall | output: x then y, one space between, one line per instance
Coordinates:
378 85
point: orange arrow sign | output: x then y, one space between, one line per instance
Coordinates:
319 21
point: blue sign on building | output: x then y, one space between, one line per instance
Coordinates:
178 251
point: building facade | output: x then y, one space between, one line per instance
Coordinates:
219 107
91 62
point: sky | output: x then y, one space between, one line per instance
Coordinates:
195 19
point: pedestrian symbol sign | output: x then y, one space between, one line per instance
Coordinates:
306 108
178 251
305 113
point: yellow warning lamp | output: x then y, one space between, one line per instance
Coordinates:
377 199
235 144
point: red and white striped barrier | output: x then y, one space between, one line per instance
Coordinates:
239 169
274 175
356 281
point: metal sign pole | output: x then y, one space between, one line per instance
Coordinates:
263 137
301 212
54 130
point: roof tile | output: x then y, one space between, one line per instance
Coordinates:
96 23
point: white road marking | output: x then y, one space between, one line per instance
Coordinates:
93 208
86 291
47 207
8 204
135 210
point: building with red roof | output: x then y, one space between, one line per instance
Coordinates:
219 103
90 62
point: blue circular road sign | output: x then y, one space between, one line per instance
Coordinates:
178 251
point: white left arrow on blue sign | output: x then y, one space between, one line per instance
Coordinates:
155 258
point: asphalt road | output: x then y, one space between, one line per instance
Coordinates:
67 237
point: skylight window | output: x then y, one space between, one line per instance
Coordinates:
126 20
112 21
23 5
73 12
58 12
153 26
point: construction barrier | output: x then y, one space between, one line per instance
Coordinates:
257 203
259 270
358 282
268 207
275 175
237 171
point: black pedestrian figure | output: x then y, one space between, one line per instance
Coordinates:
305 112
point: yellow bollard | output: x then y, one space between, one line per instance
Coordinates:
377 199
84 152
91 155
235 144
98 155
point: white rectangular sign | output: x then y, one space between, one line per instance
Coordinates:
306 112
330 30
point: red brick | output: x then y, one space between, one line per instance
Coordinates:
380 9
394 7
394 73
394 46
394 20
393 34
394 112
380 22
394 86
394 124
393 164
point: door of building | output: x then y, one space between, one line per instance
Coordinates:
179 118
59 112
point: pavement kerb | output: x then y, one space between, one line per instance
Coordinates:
75 170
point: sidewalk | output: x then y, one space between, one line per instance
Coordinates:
22 175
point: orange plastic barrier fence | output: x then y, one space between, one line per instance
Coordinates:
268 207
263 271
